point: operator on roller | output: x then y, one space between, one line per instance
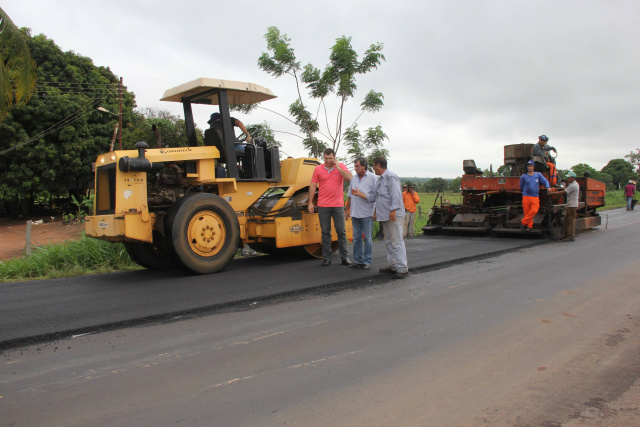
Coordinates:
234 122
530 187
541 149
213 122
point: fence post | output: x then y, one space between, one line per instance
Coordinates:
28 239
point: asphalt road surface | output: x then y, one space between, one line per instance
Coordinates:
531 333
39 310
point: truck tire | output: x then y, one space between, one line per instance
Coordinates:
150 255
204 233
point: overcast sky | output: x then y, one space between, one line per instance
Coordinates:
461 78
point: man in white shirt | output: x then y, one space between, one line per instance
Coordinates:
360 205
569 223
390 212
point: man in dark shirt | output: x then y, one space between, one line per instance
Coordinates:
234 122
541 149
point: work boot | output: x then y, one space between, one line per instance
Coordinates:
399 275
386 270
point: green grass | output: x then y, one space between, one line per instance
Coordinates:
74 258
614 199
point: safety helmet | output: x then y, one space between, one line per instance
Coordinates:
544 138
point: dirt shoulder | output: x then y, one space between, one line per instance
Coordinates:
13 235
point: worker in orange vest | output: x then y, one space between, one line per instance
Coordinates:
410 198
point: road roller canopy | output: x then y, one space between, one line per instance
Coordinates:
205 91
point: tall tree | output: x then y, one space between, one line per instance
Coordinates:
604 177
620 171
264 131
47 145
172 129
17 68
435 184
338 78
634 159
369 146
454 185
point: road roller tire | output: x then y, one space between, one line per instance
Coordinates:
203 233
150 255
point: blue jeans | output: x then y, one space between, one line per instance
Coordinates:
362 225
324 216
629 200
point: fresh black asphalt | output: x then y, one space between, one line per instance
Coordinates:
45 310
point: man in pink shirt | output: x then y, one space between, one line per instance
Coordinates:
330 177
629 192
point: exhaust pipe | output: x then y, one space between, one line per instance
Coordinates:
140 163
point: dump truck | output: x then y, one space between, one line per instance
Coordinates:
494 203
192 207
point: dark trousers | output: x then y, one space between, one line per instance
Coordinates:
325 215
569 223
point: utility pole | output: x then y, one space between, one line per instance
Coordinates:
120 116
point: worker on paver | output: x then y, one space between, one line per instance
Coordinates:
541 149
530 187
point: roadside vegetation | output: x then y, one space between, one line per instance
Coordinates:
73 258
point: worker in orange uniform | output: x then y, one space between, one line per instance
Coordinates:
530 187
410 198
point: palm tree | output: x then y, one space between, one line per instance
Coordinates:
17 69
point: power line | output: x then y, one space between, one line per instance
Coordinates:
40 82
59 125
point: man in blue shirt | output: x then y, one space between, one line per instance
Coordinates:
530 187
360 206
390 213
